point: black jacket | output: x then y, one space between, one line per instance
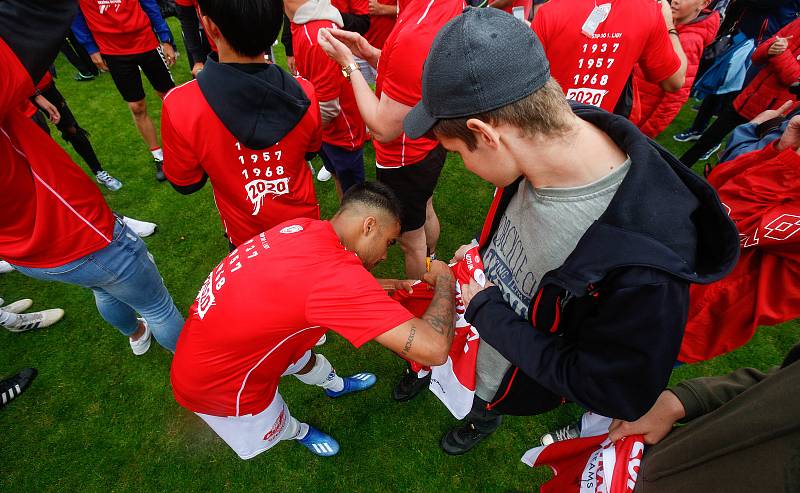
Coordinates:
604 329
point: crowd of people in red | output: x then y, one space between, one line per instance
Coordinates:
604 260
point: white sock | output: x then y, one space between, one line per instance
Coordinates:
322 375
158 154
295 430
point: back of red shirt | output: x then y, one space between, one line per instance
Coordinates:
347 130
254 189
52 213
400 72
380 26
593 68
264 306
119 27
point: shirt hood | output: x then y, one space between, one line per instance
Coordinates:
259 107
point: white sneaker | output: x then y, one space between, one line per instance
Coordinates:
324 174
141 228
18 306
5 267
109 181
142 344
321 340
37 320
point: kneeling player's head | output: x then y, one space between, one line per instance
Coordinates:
368 221
486 77
247 27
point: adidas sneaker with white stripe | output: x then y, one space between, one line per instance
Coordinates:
319 443
36 320
11 388
354 383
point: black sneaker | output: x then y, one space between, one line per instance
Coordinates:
11 388
461 439
81 77
566 433
409 386
159 170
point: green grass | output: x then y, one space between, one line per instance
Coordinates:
98 419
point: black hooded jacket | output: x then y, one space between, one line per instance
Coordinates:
259 103
604 329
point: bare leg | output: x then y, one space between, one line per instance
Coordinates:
432 228
144 123
414 249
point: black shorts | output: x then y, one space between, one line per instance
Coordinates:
414 185
124 69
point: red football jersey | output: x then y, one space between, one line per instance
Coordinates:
347 130
380 26
119 27
264 306
254 189
357 7
52 212
593 68
400 72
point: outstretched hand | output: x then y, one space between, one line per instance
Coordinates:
334 48
791 136
655 424
770 114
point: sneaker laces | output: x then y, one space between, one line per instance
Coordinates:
566 433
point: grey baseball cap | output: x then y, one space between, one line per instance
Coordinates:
481 60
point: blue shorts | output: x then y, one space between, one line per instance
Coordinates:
346 165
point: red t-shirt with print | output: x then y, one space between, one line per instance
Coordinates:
119 27
347 130
400 72
593 68
267 304
254 189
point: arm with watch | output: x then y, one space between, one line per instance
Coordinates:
675 81
384 116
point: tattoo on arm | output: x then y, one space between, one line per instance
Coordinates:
411 334
441 311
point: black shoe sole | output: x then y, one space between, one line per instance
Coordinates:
449 449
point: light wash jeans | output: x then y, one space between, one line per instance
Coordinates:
124 281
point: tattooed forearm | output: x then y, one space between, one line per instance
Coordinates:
441 312
410 340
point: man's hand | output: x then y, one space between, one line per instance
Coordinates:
468 291
47 106
377 8
461 253
97 59
291 65
169 54
342 46
439 272
196 68
778 46
770 114
654 425
791 136
391 285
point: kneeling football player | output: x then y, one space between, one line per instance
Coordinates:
263 308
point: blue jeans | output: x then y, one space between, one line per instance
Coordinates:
124 281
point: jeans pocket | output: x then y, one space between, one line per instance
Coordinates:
66 268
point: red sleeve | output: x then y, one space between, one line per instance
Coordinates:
185 3
658 60
314 114
181 166
761 56
15 83
785 65
348 300
400 82
359 7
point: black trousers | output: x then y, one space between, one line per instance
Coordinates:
77 56
726 122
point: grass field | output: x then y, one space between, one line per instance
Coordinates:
99 419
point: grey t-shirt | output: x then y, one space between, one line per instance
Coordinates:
536 234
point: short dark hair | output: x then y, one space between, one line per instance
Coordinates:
544 112
372 194
249 26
